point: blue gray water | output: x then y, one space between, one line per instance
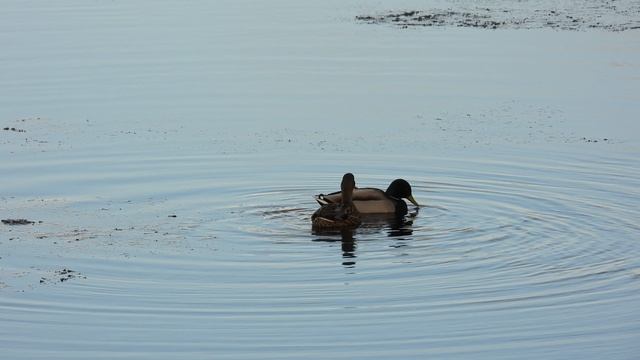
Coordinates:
169 154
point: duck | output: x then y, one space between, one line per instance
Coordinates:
339 214
376 201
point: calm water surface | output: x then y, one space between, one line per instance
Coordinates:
172 163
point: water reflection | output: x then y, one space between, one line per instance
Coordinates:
348 248
393 226
348 243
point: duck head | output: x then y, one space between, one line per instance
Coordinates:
400 189
347 186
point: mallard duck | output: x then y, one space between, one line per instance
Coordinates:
376 201
340 214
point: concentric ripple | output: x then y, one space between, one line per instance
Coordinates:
193 256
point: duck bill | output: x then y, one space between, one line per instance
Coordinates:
413 201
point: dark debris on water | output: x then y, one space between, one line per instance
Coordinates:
63 275
13 129
589 140
17 222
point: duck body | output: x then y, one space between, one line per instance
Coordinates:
376 201
336 216
340 214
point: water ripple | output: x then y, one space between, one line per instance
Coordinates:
502 256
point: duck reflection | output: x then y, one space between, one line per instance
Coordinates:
348 243
394 227
348 248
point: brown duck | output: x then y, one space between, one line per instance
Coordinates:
339 214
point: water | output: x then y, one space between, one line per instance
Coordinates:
172 165
503 257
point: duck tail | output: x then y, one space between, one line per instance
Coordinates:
321 200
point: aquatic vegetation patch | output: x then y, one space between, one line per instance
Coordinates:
608 15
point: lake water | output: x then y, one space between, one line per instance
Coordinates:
168 153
